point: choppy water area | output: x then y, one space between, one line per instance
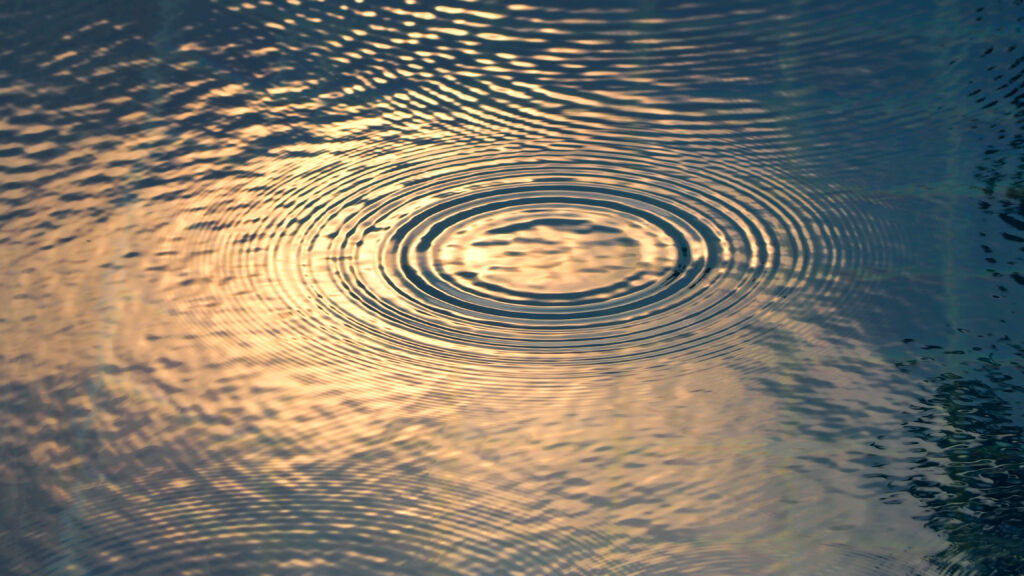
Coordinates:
407 287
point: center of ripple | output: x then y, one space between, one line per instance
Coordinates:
555 253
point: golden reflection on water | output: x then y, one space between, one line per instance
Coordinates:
642 460
505 313
204 315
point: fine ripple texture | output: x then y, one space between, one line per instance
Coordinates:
419 287
350 519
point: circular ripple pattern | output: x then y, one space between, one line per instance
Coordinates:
477 265
553 266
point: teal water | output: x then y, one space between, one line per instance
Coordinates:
409 287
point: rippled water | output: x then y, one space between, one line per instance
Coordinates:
408 287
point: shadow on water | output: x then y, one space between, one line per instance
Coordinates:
968 427
969 473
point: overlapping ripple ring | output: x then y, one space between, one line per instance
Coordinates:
405 264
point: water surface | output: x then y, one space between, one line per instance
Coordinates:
410 287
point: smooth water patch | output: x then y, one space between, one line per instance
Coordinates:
550 252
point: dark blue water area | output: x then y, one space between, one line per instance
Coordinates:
415 287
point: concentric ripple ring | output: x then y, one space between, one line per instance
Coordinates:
424 266
485 266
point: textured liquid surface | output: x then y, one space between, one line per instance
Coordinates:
408 287
556 254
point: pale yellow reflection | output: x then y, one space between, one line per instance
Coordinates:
220 313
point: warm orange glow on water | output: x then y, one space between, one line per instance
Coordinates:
301 288
507 322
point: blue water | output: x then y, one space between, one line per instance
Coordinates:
404 287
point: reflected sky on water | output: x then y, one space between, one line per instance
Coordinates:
410 287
